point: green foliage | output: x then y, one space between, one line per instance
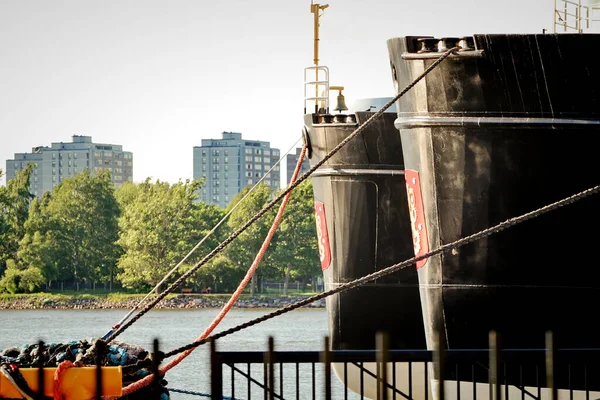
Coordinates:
160 223
244 249
296 240
70 233
14 203
18 280
86 231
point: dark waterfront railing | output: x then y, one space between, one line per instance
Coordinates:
491 373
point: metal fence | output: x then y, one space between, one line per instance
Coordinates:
491 373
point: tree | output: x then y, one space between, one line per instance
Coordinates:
71 232
15 198
296 253
246 246
160 223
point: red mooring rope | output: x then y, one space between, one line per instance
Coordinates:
163 370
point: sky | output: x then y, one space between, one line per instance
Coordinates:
157 77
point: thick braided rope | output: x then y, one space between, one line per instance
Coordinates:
176 267
217 320
58 378
393 268
234 235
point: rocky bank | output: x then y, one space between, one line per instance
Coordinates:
179 301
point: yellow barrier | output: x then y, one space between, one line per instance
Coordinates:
77 383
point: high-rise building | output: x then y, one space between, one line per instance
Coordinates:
231 163
63 160
292 160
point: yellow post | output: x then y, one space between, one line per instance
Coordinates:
78 383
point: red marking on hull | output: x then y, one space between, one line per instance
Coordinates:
417 215
322 236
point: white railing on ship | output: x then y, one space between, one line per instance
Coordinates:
320 86
572 16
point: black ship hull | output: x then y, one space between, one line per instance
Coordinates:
494 132
362 218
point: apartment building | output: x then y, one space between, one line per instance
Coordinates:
63 160
231 163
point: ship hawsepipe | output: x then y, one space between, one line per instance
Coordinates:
506 126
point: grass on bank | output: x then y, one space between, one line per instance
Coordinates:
121 297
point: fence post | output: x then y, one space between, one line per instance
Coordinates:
383 348
325 358
269 360
216 373
100 350
40 375
495 388
550 365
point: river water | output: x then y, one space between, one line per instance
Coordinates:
302 329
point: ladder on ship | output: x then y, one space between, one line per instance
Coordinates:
576 16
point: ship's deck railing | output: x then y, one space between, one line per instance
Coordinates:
470 374
316 80
572 16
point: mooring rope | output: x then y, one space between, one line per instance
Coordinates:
201 394
278 198
393 268
59 375
176 267
235 296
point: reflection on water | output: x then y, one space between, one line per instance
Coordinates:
303 329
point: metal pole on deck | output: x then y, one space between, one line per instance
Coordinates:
316 9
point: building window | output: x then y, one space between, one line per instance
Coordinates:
203 152
203 160
215 153
204 168
75 155
249 181
226 152
226 168
226 160
248 173
53 156
215 176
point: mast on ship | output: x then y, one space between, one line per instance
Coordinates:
321 86
320 74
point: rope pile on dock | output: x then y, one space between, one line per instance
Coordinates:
135 361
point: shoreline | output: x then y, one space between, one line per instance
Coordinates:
180 301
